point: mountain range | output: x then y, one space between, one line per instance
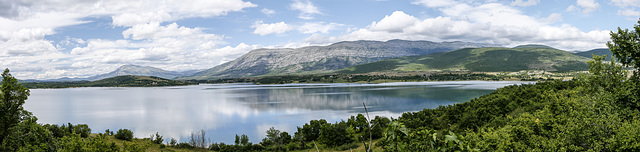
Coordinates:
323 59
125 70
353 57
495 59
141 71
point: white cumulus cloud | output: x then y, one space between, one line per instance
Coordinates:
525 3
319 27
147 40
553 18
584 6
435 3
273 28
628 12
626 3
306 8
487 23
396 22
267 11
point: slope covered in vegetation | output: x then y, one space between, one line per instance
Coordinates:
480 60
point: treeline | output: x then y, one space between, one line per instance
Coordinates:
347 78
149 81
118 81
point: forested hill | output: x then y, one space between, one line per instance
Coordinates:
600 52
118 81
480 60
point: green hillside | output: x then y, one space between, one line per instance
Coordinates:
600 52
534 46
480 60
118 81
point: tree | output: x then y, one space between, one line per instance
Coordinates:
273 135
156 139
124 134
12 97
198 139
83 130
284 138
237 141
625 45
244 140
28 135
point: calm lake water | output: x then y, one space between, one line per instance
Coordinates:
223 110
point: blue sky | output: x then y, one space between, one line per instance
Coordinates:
48 39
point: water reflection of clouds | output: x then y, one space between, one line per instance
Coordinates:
230 109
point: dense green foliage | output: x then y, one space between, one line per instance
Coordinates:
479 60
13 118
124 134
118 81
625 46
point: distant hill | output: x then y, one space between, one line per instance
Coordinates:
125 70
323 59
480 60
534 46
590 53
139 71
118 81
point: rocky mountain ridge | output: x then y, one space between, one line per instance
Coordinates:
322 59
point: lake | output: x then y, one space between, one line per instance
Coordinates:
223 110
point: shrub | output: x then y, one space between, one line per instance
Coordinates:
184 146
82 129
124 134
173 141
157 139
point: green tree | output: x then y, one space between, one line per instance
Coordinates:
237 141
12 97
157 139
625 45
273 135
244 139
29 136
82 129
394 134
124 134
284 138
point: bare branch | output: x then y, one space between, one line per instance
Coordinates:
314 144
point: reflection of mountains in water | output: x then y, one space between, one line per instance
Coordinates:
378 98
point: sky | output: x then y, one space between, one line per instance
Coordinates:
49 39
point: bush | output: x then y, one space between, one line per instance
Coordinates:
157 139
134 147
82 129
173 141
124 134
184 146
214 147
